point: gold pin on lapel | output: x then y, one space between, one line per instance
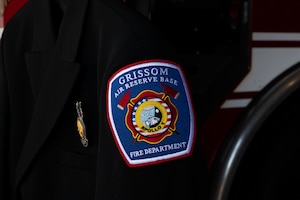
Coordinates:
80 125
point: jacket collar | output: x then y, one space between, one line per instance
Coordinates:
59 77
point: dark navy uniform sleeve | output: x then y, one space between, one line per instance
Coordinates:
4 131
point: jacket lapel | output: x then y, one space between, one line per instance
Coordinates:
54 88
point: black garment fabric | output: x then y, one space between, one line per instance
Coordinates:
54 53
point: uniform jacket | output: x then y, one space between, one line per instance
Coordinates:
53 54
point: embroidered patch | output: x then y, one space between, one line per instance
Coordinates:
150 112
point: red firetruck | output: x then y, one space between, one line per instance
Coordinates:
242 58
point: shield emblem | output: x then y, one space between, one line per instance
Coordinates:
150 112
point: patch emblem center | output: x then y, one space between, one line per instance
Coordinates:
151 117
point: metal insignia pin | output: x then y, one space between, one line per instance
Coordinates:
80 125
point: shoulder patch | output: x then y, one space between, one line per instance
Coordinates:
150 112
